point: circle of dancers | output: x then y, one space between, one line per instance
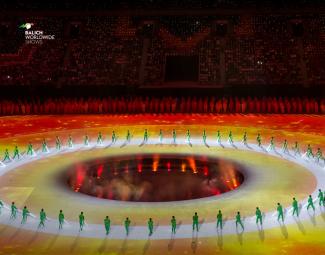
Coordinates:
295 209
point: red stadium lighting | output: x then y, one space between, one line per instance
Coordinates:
139 168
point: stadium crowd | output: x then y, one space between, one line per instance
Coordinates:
255 49
164 105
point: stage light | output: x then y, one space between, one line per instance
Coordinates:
168 167
100 171
139 168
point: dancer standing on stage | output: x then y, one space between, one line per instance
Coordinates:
128 136
150 227
70 142
7 156
100 138
280 212
25 214
258 214
42 216
188 136
295 207
127 223
173 223
296 149
245 138
58 143
319 155
218 137
81 221
86 140
174 136
272 145
310 203
219 219
61 219
309 152
114 138
45 149
285 147
145 136
16 153
204 137
30 150
230 138
239 221
321 198
259 140
160 136
13 211
195 222
107 224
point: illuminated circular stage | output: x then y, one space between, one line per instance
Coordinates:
154 177
257 177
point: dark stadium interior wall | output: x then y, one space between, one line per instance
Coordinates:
182 68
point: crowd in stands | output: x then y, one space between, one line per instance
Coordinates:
153 4
101 50
164 105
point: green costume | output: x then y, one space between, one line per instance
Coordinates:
174 136
295 207
218 137
321 198
100 138
296 149
309 152
16 153
7 156
272 144
280 212
245 138
42 216
114 138
160 136
44 146
81 221
127 223
128 136
25 215
204 137
219 219
30 150
319 155
150 226
86 140
195 222
61 219
1 206
230 138
259 140
58 143
238 221
70 143
173 222
188 136
310 203
285 147
13 211
107 223
258 214
145 136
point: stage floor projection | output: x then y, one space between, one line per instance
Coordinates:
158 166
